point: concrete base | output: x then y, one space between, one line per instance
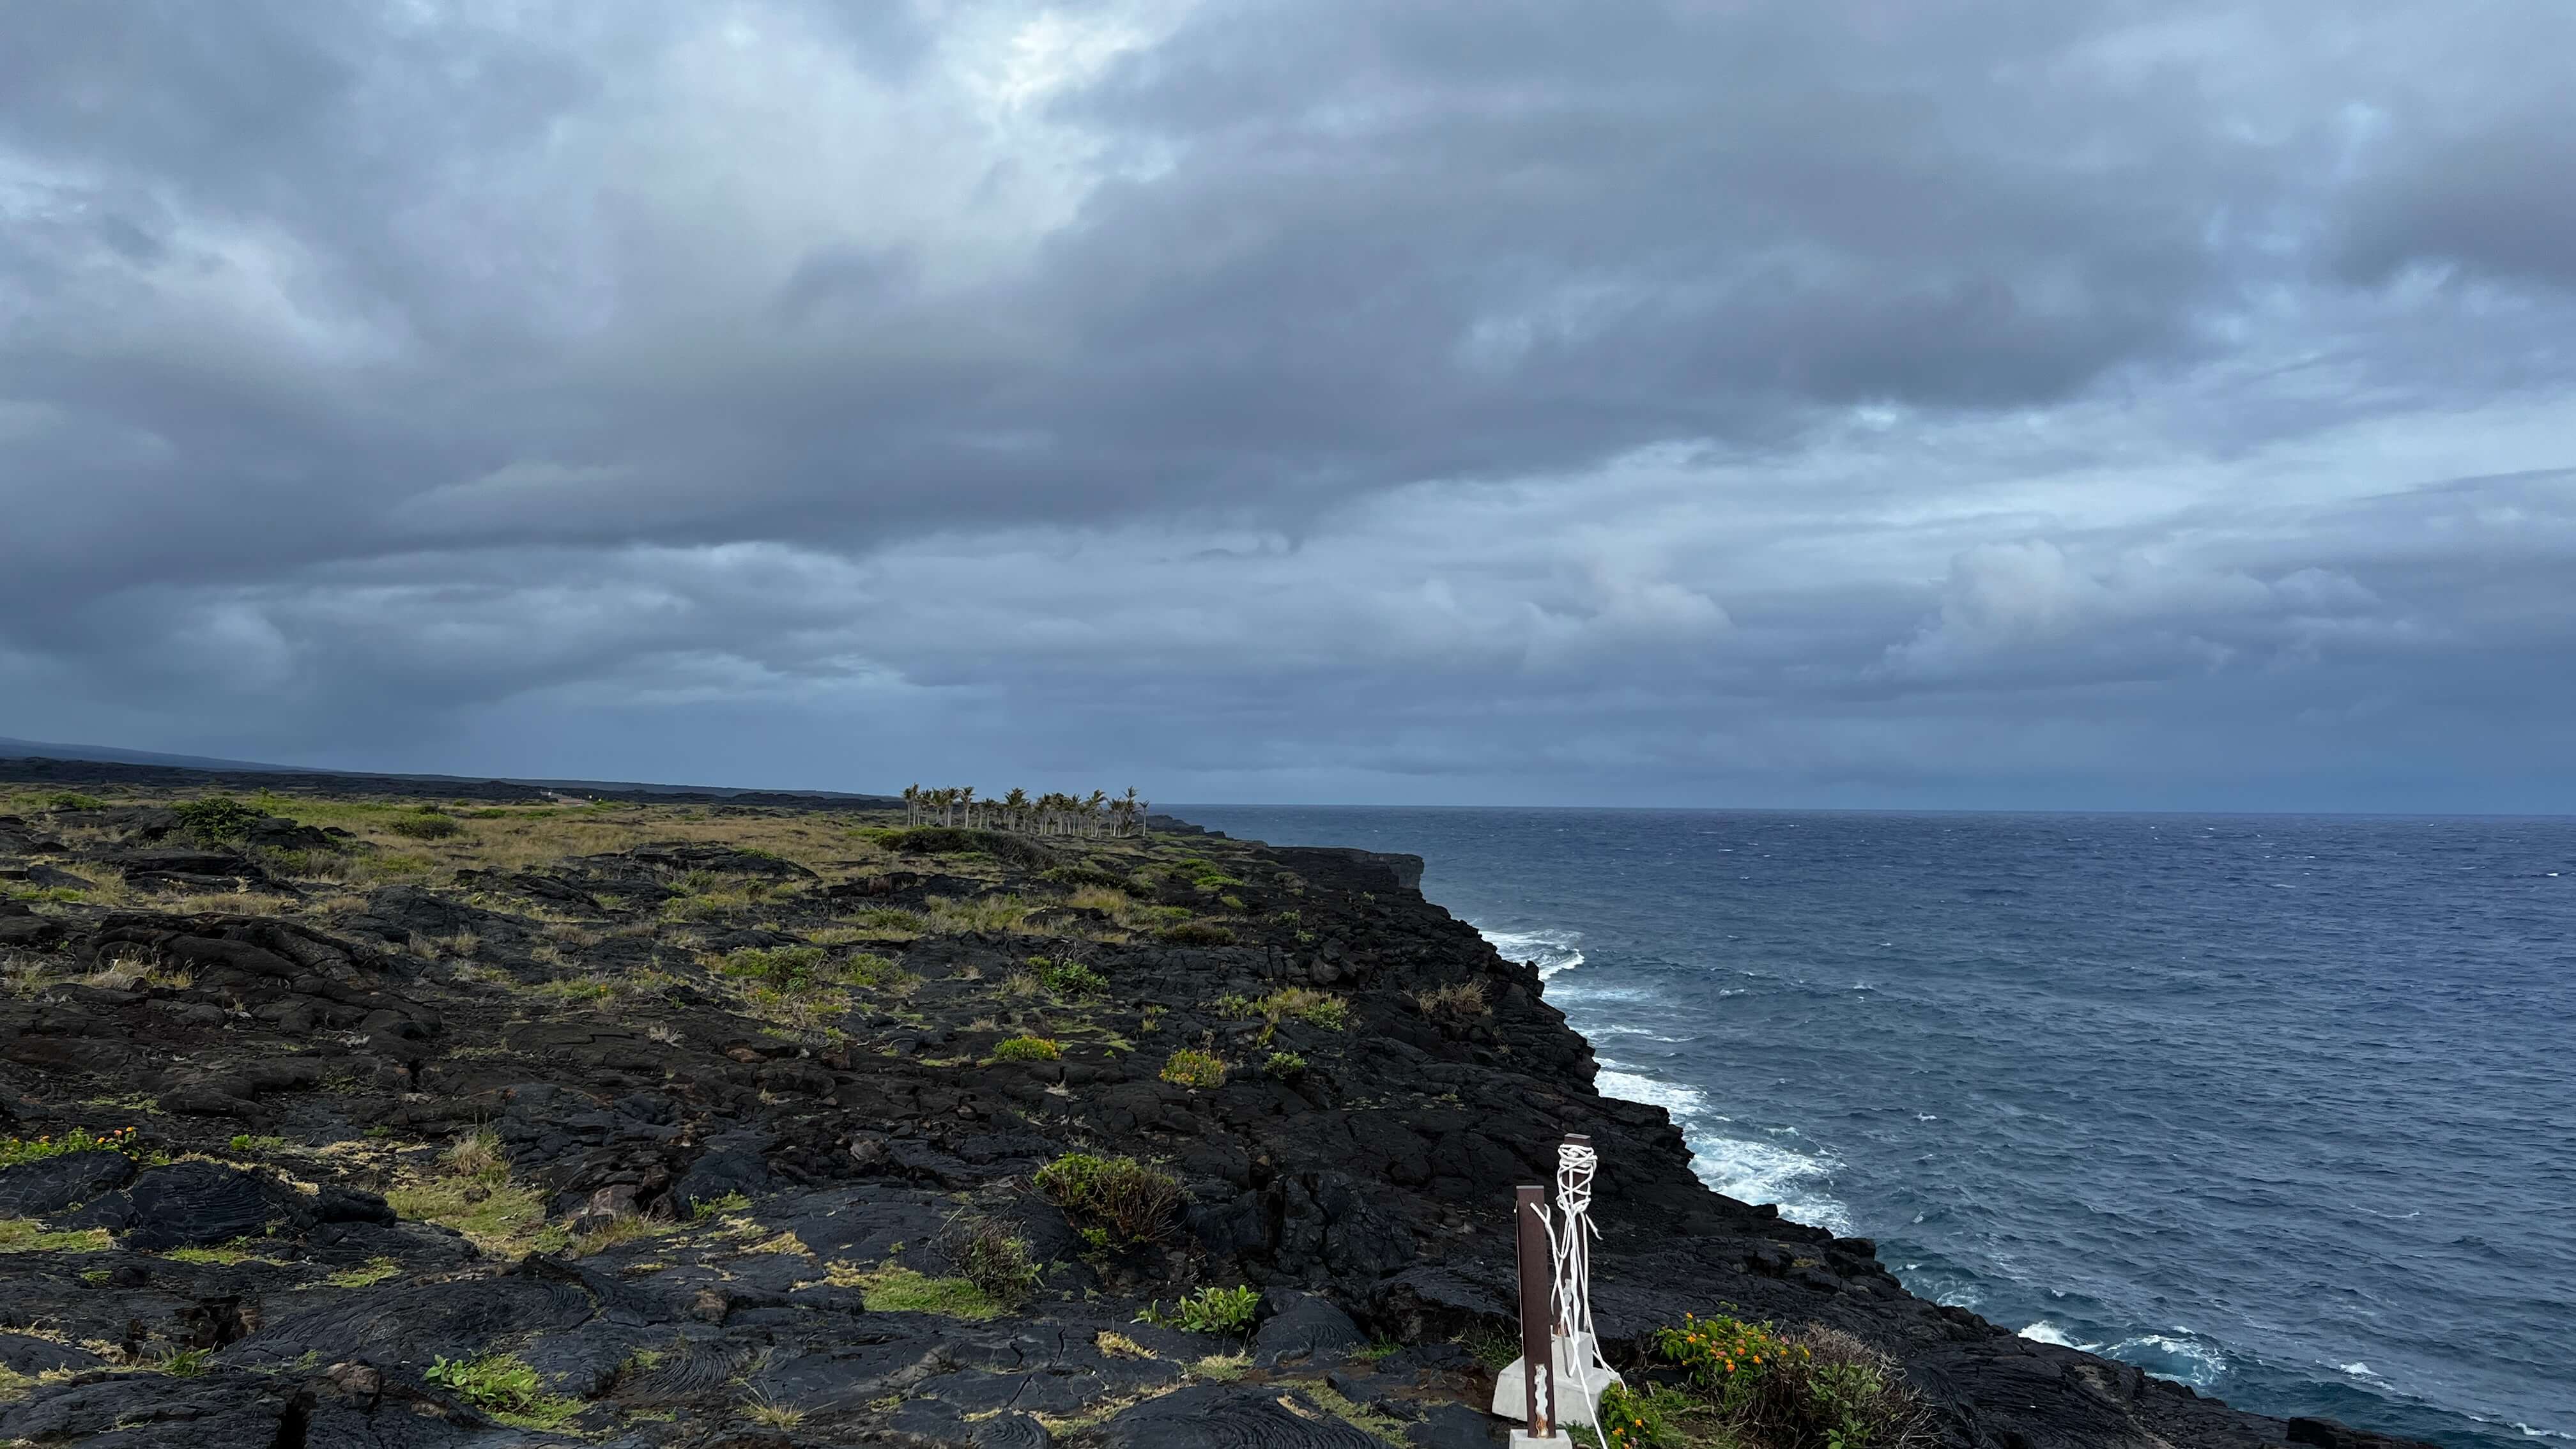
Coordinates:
1578 1385
1521 1440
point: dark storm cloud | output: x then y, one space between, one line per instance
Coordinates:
1491 393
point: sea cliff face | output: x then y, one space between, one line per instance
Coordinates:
748 1124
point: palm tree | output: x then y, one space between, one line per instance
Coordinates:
912 804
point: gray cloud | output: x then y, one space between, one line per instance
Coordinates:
1990 402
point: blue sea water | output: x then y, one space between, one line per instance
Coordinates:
2281 1107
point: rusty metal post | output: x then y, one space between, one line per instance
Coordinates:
1538 1310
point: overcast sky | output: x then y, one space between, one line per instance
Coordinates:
1840 402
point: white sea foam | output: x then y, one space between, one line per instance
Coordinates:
1601 1031
1553 950
2186 1359
2357 1369
2181 1356
1758 1172
1677 1098
1755 1172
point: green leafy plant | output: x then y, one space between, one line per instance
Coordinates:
1125 1198
705 1208
1638 1419
1817 1386
1072 978
1727 1358
1189 1067
504 1386
72 800
1284 1064
16 1150
1209 1310
1028 1049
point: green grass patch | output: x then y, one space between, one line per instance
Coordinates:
26 1235
1291 1003
1028 1049
226 1254
1195 933
508 1221
896 1289
376 1271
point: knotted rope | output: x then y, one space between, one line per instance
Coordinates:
1571 1252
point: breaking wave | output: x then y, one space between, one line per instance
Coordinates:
1553 951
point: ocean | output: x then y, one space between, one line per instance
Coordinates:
2282 1107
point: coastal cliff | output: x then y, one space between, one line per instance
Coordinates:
497 1119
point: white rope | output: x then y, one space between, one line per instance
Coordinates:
1571 1253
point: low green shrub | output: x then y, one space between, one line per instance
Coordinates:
215 819
1283 1065
425 826
1815 1386
1189 1067
949 840
73 800
1028 1049
1072 978
996 1260
775 965
1125 1198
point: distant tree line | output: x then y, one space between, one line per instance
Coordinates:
1095 814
